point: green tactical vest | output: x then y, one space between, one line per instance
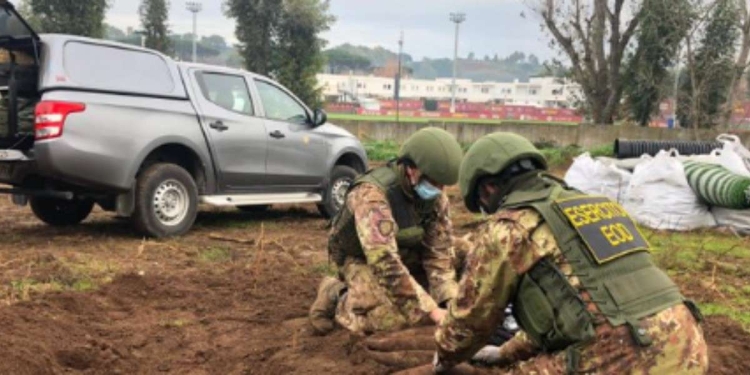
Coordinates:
411 216
608 255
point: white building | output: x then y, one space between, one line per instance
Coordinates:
542 92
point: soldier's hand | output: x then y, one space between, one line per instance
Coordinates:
489 355
438 315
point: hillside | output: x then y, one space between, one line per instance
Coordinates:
364 59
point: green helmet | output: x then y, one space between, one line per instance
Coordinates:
436 153
490 155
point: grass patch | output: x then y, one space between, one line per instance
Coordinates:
423 120
79 273
689 250
215 255
714 263
325 269
738 315
382 151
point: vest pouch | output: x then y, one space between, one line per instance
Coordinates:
642 293
533 311
410 237
570 323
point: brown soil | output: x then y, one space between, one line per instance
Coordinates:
97 299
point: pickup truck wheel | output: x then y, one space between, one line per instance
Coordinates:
341 178
60 212
166 201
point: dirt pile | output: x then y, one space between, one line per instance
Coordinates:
195 323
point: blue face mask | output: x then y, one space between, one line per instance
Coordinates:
427 191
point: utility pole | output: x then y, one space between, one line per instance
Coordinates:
456 18
398 78
195 7
676 91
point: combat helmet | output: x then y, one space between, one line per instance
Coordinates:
490 155
436 153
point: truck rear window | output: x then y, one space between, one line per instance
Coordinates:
117 69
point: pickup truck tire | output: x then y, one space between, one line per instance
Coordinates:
166 201
335 195
60 212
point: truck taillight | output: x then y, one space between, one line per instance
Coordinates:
50 118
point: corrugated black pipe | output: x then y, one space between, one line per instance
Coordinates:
625 149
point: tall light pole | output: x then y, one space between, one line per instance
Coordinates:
456 18
195 7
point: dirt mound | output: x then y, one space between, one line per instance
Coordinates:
196 323
729 346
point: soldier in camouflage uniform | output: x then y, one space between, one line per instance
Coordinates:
392 243
577 271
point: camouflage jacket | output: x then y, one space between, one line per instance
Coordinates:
508 246
505 248
376 230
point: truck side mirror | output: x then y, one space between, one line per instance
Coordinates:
319 117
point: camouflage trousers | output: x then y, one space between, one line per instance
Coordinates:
677 347
365 309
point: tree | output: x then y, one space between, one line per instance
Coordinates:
471 56
215 41
594 36
24 9
740 65
76 17
154 16
533 60
664 24
256 30
113 33
280 38
341 60
183 48
515 58
711 48
300 48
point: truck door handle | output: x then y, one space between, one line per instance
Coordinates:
218 125
277 134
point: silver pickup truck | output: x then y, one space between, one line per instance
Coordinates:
85 122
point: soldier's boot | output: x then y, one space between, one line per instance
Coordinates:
323 309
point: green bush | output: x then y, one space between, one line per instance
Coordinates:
381 150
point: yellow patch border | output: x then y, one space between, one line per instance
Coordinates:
386 228
588 246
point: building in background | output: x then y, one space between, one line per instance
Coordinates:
542 92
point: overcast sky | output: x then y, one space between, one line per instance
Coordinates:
492 26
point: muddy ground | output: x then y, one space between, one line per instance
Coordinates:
228 298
